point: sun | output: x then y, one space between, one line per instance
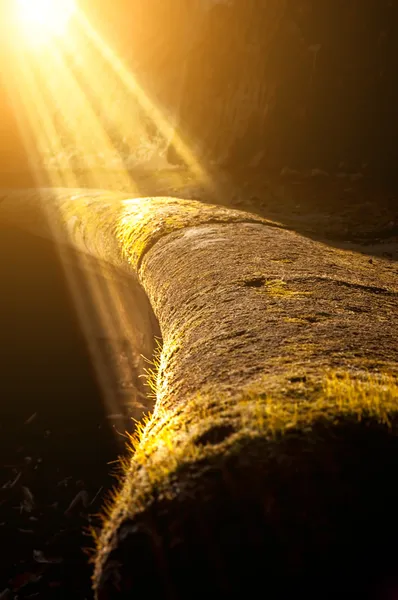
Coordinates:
44 19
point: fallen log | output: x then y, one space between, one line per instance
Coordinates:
271 452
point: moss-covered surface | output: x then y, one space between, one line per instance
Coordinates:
273 442
230 314
255 460
232 493
147 220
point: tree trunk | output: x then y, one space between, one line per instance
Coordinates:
273 439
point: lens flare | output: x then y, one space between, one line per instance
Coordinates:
44 19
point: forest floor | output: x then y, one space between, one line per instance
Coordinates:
56 457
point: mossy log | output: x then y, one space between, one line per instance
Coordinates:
273 441
271 453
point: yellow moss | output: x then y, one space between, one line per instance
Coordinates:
151 372
342 395
166 441
277 288
300 321
145 220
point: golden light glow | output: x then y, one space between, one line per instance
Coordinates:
87 123
44 19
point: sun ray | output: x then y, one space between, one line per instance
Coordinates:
137 92
47 138
105 301
81 104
